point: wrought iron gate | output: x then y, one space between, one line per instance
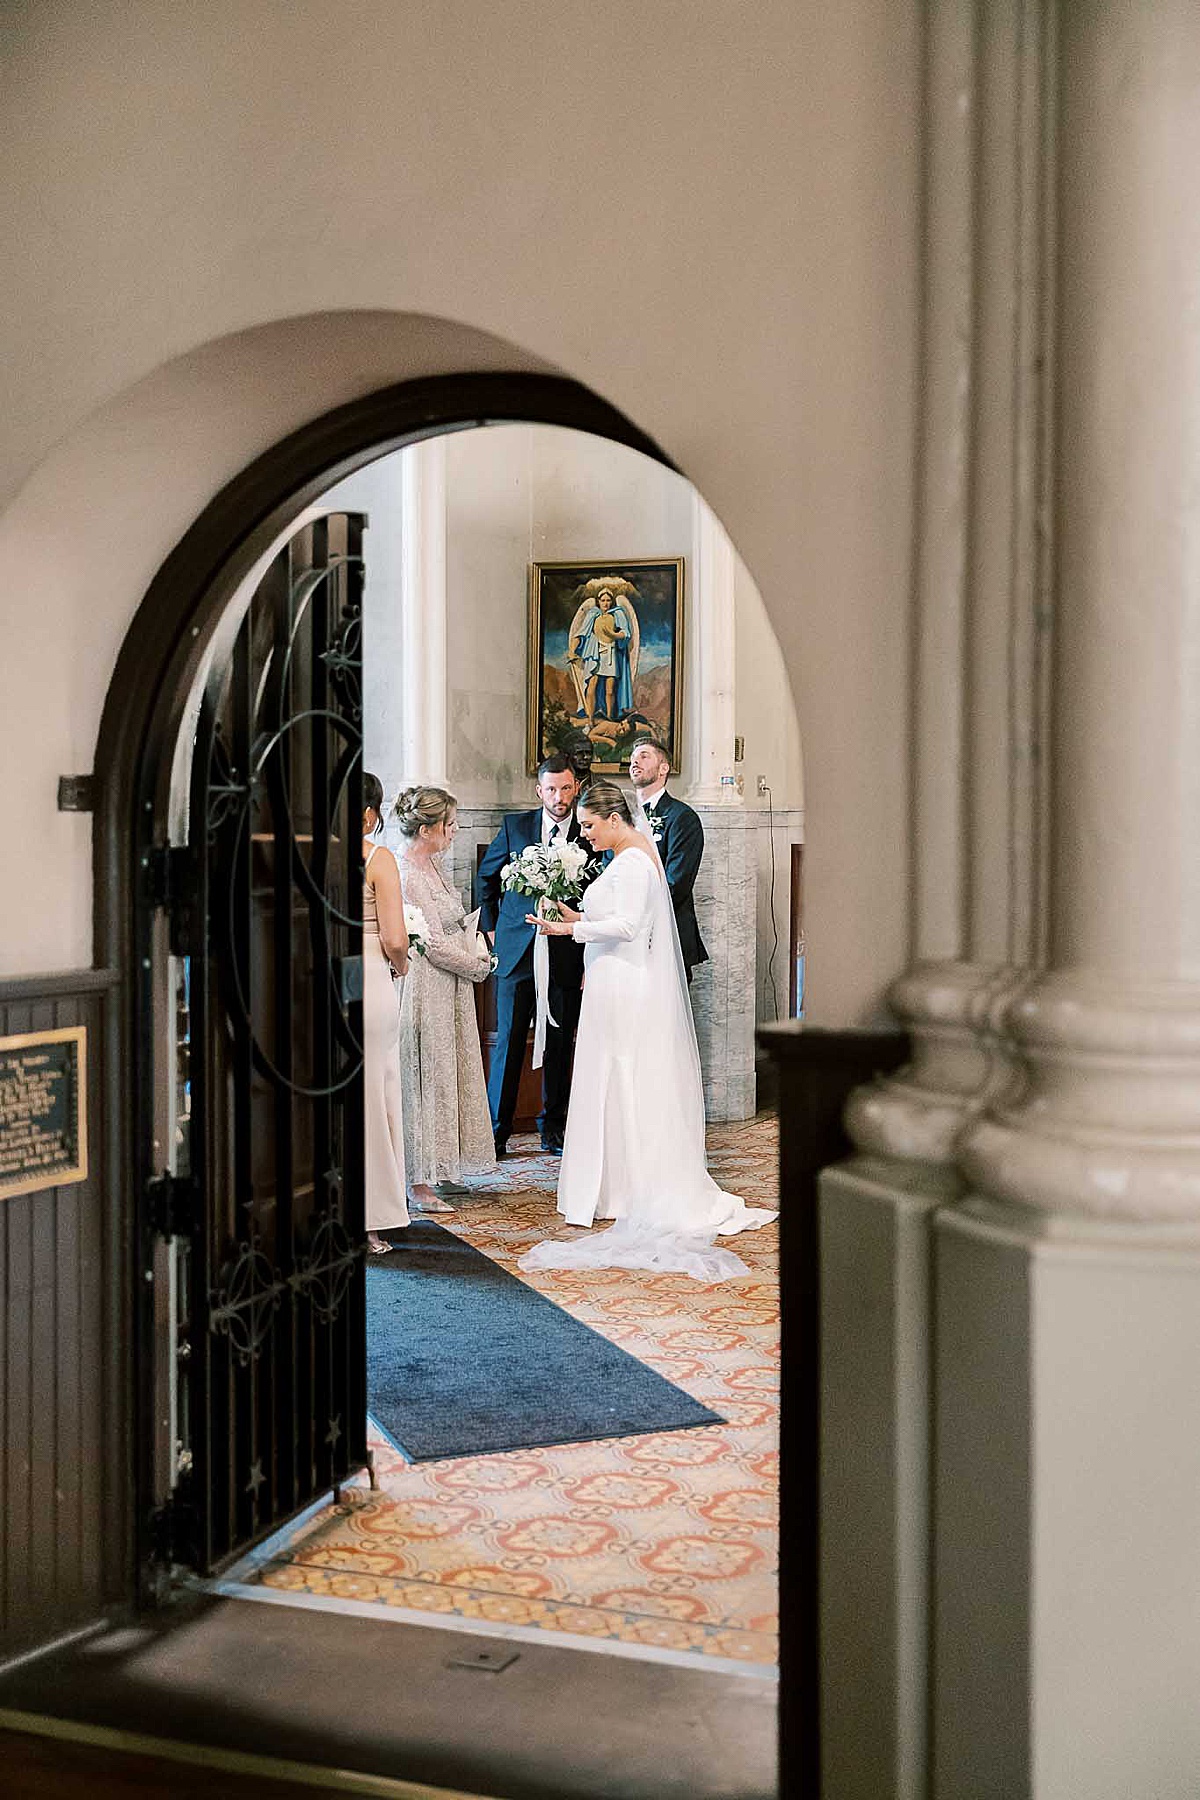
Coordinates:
262 1202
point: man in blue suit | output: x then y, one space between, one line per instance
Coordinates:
502 917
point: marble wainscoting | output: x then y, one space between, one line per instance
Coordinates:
723 989
774 833
477 826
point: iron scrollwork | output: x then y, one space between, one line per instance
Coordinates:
343 659
326 1272
244 1304
275 1283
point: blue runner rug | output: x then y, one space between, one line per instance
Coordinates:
463 1358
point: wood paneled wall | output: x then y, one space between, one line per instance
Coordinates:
62 1555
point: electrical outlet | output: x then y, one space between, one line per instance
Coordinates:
763 789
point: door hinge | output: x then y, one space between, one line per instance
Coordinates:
172 879
172 1205
174 1534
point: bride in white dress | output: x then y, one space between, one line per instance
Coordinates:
634 1144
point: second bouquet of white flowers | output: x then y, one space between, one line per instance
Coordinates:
417 927
548 873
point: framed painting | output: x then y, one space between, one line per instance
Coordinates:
605 660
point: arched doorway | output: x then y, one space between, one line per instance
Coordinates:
186 609
156 673
144 715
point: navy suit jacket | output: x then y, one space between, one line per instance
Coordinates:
680 839
504 913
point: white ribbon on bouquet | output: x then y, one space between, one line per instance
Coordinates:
541 994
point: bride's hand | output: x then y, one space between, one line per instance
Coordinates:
551 927
567 912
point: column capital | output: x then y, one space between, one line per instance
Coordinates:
960 1062
1106 1124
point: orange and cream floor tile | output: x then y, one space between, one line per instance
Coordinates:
666 1541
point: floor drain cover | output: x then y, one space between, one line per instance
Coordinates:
490 1661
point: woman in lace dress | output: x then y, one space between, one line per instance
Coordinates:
447 1125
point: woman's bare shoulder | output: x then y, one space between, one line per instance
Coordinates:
381 862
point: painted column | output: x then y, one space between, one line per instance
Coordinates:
723 993
1112 1031
979 618
1068 1556
710 643
424 742
982 577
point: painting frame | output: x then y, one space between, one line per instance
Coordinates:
632 692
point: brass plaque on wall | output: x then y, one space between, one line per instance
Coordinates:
43 1111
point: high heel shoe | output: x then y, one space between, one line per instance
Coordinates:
428 1202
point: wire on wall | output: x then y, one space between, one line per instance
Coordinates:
770 975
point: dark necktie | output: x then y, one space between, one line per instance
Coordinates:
553 833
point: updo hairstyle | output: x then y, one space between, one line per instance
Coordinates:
372 795
604 798
418 806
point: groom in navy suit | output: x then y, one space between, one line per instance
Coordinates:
677 831
502 917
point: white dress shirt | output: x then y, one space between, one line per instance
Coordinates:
645 800
548 824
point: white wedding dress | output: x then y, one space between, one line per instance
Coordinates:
634 1145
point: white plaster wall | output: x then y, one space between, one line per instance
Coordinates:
516 495
765 709
707 216
519 494
765 713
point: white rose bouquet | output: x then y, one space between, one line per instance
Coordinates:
548 873
417 927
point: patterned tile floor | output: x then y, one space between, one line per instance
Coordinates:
666 1540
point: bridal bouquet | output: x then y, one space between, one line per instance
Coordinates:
548 873
417 927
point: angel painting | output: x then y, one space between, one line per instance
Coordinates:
603 646
604 658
